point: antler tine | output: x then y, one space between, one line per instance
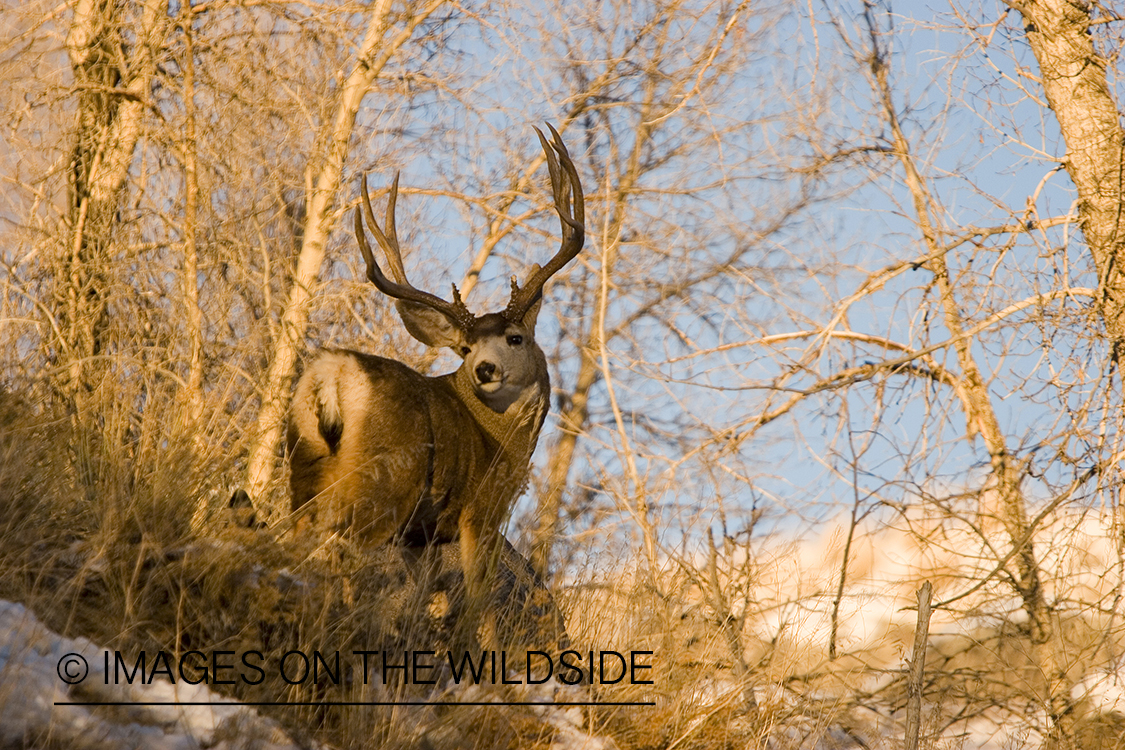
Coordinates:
400 288
564 185
387 240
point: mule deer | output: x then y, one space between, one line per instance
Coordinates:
389 453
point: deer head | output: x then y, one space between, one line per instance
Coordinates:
499 350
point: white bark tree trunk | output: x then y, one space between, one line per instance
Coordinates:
194 388
1078 91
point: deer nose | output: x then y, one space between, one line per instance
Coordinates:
485 371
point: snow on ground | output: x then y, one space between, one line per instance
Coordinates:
33 664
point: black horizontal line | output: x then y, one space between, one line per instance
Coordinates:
356 703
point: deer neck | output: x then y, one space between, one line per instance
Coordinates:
516 429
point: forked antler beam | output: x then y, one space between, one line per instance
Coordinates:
564 185
400 288
569 204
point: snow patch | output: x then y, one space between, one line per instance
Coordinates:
32 658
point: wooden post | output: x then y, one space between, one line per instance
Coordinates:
918 668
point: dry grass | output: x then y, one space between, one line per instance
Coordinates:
109 553
98 541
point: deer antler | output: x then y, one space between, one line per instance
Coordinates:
564 182
400 288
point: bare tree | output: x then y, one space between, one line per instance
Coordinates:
981 298
190 160
667 79
114 50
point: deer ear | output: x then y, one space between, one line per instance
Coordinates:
532 314
429 326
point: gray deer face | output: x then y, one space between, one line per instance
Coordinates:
501 358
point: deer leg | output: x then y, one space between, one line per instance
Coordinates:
478 561
481 545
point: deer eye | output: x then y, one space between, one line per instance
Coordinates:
515 340
465 351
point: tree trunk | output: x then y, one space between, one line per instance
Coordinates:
573 419
1074 80
111 102
194 314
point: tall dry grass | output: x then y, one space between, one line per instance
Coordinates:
97 537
